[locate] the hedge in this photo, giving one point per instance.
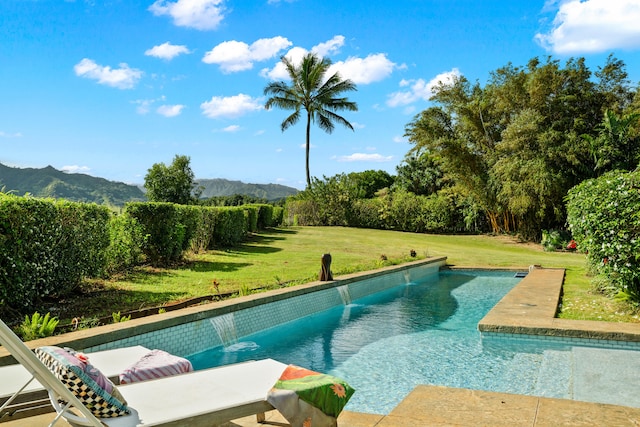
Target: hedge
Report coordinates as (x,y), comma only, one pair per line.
(48,247)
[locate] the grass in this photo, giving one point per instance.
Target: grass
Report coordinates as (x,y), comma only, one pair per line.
(288,256)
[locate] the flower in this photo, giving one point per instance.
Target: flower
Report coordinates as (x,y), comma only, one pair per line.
(339,390)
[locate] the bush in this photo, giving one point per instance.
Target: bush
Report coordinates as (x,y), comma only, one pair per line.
(126,239)
(251,213)
(47,248)
(604,219)
(164,230)
(277,217)
(230,226)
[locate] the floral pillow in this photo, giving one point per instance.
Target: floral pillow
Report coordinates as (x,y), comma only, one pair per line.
(86,382)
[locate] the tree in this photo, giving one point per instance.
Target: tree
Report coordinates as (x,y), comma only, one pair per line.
(174,183)
(616,147)
(419,174)
(312,92)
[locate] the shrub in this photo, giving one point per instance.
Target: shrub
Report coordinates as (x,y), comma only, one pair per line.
(277,216)
(164,230)
(230,226)
(48,247)
(126,239)
(604,219)
(37,326)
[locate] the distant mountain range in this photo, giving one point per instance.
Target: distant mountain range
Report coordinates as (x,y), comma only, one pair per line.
(50,182)
(224,187)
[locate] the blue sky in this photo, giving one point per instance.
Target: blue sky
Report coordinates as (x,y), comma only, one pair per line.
(110,87)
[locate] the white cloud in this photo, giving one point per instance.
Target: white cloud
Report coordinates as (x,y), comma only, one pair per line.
(167,51)
(144,105)
(121,78)
(231,129)
(75,169)
(420,89)
(363,157)
(230,107)
(10,135)
(329,47)
(235,56)
(279,72)
(170,110)
(357,125)
(593,26)
(373,68)
(198,14)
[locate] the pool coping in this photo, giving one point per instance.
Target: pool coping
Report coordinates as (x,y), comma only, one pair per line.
(93,337)
(531,307)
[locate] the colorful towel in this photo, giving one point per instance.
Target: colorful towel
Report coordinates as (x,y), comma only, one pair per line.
(309,399)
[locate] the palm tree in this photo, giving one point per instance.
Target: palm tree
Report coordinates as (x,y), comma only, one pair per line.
(310,91)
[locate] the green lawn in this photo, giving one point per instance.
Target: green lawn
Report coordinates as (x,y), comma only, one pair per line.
(292,255)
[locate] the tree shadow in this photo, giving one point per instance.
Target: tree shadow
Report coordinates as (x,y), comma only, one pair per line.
(210,266)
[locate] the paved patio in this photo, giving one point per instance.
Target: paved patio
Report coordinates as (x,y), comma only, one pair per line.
(529,308)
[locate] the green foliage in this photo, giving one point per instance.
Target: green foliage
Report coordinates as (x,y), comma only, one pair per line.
(251,213)
(118,318)
(164,230)
(370,182)
(518,144)
(37,326)
(126,240)
(173,183)
(47,248)
(554,240)
(230,227)
(604,219)
(420,175)
(310,90)
(277,217)
(615,147)
(202,223)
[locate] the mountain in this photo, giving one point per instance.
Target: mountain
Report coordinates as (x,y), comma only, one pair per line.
(50,182)
(224,187)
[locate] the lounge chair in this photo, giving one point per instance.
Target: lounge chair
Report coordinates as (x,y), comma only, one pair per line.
(110,362)
(200,398)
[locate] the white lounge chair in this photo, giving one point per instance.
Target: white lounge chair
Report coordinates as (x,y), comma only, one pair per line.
(200,398)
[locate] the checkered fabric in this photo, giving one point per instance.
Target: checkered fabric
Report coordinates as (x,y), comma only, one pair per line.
(101,403)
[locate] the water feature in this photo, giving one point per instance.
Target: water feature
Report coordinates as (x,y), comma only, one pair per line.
(344,294)
(386,343)
(226,328)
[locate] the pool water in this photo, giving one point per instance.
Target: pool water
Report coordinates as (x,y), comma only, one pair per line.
(417,333)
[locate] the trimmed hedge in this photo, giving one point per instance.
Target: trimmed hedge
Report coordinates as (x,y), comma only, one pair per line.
(48,247)
(165,230)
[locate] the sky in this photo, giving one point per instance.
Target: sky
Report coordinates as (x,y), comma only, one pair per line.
(110,87)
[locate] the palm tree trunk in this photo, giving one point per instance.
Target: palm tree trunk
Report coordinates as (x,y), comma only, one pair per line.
(308,146)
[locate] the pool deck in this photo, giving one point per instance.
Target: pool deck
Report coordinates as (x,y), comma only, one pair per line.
(530,308)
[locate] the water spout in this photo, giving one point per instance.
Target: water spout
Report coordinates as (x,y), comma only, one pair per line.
(344,294)
(225,326)
(407,277)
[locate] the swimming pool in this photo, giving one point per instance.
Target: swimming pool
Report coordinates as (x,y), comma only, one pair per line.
(421,332)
